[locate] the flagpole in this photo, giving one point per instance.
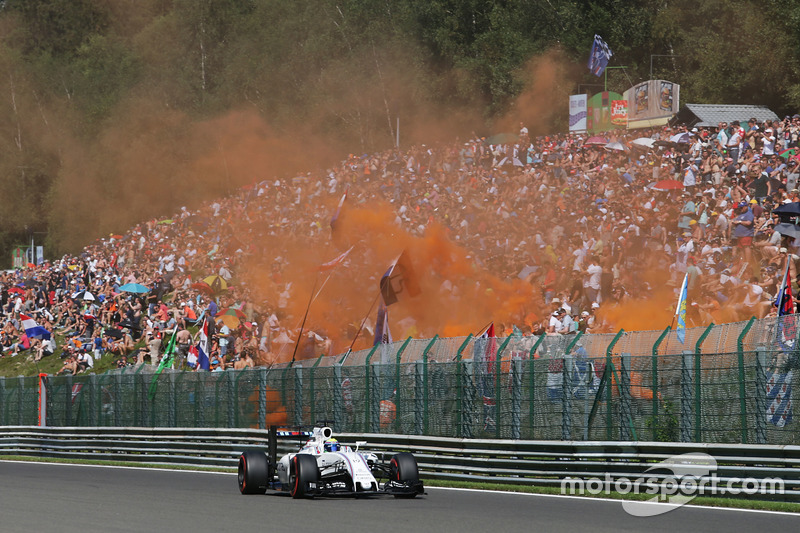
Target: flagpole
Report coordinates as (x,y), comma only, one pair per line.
(302,325)
(350,349)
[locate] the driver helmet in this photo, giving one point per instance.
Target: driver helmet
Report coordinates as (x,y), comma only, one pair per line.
(331,445)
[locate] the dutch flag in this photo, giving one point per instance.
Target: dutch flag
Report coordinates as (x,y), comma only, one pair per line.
(34,330)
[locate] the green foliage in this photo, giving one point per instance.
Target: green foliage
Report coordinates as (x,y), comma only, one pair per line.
(666,424)
(342,69)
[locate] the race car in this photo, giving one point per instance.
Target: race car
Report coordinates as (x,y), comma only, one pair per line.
(323,467)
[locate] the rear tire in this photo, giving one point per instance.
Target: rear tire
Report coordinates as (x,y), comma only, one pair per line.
(304,470)
(403,469)
(254,472)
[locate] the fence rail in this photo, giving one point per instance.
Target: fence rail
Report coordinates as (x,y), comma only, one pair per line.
(541,463)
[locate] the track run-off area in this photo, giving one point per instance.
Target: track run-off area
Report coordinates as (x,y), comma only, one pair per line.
(68,498)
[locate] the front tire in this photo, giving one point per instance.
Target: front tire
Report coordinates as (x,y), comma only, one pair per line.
(254,472)
(304,470)
(403,469)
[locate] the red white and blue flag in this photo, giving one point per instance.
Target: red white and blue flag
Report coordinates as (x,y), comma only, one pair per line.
(202,347)
(32,329)
(784,301)
(598,58)
(779,398)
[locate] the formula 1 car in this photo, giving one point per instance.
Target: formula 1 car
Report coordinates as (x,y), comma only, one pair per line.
(323,467)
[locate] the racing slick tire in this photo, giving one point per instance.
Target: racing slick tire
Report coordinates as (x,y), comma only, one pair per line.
(403,469)
(304,470)
(254,472)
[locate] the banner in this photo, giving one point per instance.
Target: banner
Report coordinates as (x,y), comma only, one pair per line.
(578,110)
(619,113)
(652,103)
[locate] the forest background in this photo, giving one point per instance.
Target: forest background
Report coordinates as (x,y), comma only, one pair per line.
(116,111)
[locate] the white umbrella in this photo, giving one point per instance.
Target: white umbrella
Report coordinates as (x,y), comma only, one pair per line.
(84,295)
(681,138)
(615,146)
(644,141)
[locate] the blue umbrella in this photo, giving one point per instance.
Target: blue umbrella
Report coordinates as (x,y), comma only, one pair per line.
(134,287)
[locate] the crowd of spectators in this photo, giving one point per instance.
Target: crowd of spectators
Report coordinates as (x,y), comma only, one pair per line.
(585,221)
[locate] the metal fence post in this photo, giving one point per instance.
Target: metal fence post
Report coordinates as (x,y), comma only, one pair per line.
(498,388)
(311,390)
(655,380)
(21,401)
(68,402)
(625,397)
(609,387)
(118,400)
(742,388)
(698,382)
(532,386)
(367,389)
(516,399)
(425,387)
(298,394)
(566,398)
(460,386)
(338,400)
(172,398)
(468,418)
(686,396)
(419,405)
(262,398)
(94,403)
(399,392)
(3,403)
(760,395)
(232,403)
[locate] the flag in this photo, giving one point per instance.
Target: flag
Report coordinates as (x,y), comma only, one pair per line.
(399,279)
(32,329)
(382,333)
(165,362)
(202,347)
(336,261)
(490,347)
(598,58)
(784,301)
(335,217)
(779,398)
(680,311)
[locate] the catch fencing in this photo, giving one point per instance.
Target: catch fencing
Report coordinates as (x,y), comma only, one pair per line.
(724,384)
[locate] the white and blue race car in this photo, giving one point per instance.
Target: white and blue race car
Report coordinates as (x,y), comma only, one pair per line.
(323,467)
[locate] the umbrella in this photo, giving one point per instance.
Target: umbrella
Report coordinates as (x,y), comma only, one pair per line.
(216,283)
(644,141)
(502,138)
(681,138)
(166,221)
(114,332)
(229,320)
(596,141)
(787,153)
(232,311)
(135,288)
(619,147)
(666,185)
(16,290)
(202,286)
(83,295)
(788,230)
(792,208)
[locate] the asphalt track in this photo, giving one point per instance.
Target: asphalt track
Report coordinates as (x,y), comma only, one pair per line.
(37,497)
